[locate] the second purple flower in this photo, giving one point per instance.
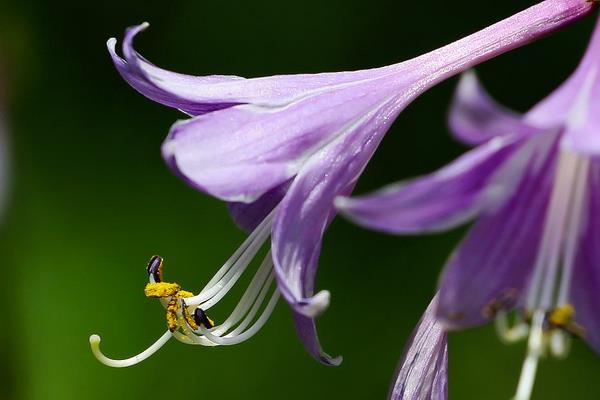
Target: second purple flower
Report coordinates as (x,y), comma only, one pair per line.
(533,181)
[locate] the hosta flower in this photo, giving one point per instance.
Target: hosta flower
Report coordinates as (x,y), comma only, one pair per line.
(533,182)
(279,150)
(422,373)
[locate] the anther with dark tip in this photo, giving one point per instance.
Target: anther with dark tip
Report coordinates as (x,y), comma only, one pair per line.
(155,268)
(201,318)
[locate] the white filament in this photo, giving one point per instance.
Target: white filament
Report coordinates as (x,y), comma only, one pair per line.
(244,312)
(535,350)
(95,345)
(252,297)
(554,266)
(235,329)
(241,337)
(560,343)
(233,268)
(574,230)
(509,334)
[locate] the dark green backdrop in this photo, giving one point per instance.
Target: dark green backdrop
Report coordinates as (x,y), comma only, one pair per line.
(91,200)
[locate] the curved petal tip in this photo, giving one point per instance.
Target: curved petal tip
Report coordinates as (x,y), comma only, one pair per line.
(314,306)
(307,332)
(331,361)
(111,43)
(135,29)
(129,34)
(342,202)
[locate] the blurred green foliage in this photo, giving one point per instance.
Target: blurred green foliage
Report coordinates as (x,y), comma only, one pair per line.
(91,201)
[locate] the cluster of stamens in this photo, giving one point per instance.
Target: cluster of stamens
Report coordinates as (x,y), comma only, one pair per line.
(186,318)
(548,317)
(557,323)
(175,298)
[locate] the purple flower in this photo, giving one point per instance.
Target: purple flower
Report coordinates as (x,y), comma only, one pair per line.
(280,149)
(533,181)
(422,373)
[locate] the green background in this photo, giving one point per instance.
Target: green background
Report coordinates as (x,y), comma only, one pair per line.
(91,200)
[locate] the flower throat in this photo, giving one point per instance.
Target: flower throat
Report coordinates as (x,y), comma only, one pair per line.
(548,313)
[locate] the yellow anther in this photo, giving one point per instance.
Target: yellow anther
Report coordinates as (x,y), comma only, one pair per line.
(172,308)
(562,315)
(182,294)
(189,319)
(161,289)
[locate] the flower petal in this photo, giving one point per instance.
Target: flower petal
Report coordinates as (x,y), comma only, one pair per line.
(188,93)
(307,209)
(197,95)
(475,117)
(307,331)
(575,104)
(583,123)
(247,216)
(422,373)
(492,265)
(440,201)
(586,276)
(239,153)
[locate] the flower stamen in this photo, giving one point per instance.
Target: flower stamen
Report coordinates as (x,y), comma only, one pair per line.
(200,318)
(161,290)
(553,321)
(535,350)
(171,293)
(560,343)
(562,316)
(186,314)
(154,269)
(511,334)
